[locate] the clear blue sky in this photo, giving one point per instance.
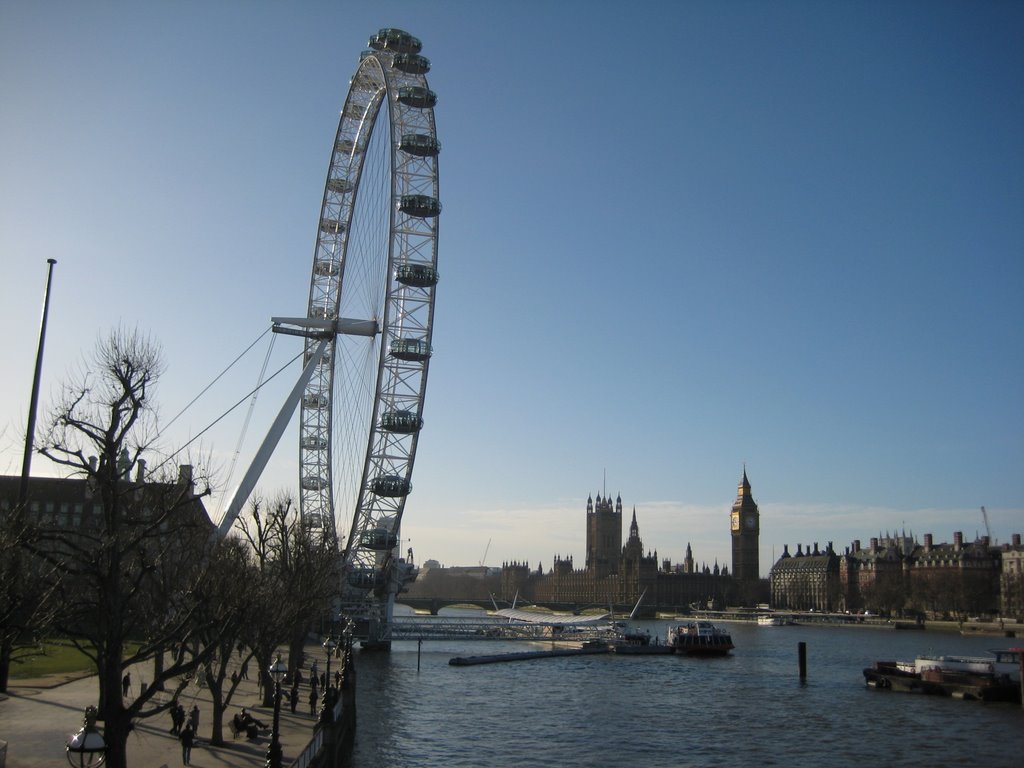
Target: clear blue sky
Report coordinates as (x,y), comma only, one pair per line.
(677,237)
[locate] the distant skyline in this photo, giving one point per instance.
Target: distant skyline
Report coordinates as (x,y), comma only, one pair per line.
(677,238)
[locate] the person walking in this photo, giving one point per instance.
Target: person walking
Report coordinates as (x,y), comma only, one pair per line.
(187,737)
(312,701)
(194,719)
(126,683)
(175,722)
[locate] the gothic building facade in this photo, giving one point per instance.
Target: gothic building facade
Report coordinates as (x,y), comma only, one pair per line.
(745,524)
(620,573)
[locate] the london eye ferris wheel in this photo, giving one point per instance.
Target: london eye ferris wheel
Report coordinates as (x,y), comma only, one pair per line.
(370,312)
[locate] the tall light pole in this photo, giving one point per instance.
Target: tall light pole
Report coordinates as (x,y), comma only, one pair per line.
(277,671)
(327,713)
(26,464)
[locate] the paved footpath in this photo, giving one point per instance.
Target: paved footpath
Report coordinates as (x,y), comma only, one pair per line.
(37,716)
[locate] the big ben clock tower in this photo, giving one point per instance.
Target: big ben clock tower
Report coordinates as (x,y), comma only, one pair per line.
(746,528)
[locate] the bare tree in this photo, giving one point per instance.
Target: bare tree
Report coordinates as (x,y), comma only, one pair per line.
(297,572)
(25,589)
(136,568)
(231,603)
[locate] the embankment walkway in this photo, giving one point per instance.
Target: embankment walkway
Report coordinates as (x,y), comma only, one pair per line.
(37,716)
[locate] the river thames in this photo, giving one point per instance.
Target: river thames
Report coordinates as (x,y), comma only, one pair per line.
(749,708)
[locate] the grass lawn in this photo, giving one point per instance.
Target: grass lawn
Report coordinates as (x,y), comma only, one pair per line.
(56,657)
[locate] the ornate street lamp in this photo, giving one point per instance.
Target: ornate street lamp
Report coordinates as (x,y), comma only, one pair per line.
(277,672)
(87,749)
(327,712)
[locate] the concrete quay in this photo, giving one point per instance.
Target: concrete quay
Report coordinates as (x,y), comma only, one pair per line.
(37,716)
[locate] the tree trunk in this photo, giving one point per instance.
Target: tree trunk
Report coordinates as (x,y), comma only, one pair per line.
(116,723)
(158,669)
(6,648)
(215,685)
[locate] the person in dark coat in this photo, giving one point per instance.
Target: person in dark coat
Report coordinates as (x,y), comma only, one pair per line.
(187,737)
(175,721)
(126,683)
(312,701)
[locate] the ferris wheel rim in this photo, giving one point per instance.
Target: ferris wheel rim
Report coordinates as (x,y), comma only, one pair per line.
(390,77)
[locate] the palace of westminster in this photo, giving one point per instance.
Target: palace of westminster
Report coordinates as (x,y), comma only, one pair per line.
(893,575)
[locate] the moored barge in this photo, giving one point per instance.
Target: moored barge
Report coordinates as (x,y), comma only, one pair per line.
(995,678)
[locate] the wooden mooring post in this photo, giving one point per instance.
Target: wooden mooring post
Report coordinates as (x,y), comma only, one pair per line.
(801,652)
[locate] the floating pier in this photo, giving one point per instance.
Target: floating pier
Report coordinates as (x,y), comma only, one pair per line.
(495,658)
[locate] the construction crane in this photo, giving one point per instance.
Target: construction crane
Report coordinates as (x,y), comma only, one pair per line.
(988,533)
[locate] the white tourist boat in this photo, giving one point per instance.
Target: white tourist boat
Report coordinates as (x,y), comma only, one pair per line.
(769,620)
(1001,662)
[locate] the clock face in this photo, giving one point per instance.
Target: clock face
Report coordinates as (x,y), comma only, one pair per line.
(751,522)
(735,521)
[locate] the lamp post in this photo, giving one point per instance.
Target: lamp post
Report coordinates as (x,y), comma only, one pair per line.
(87,749)
(277,672)
(327,713)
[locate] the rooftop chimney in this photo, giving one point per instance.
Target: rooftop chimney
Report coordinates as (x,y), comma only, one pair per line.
(1016,539)
(185,475)
(958,540)
(927,542)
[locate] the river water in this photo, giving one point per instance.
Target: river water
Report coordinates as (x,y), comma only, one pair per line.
(749,708)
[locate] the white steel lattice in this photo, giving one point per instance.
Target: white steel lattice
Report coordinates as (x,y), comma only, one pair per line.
(375,261)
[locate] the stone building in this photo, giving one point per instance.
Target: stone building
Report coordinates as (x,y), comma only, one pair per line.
(745,524)
(632,572)
(806,581)
(1011,580)
(604,536)
(71,504)
(896,574)
(617,573)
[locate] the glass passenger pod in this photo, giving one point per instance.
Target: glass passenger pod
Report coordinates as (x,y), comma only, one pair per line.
(412,350)
(401,422)
(419,144)
(340,185)
(316,400)
(346,146)
(411,63)
(417,96)
(312,483)
(331,226)
(379,540)
(325,358)
(391,486)
(314,443)
(326,267)
(420,206)
(416,275)
(321,312)
(398,40)
(366,578)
